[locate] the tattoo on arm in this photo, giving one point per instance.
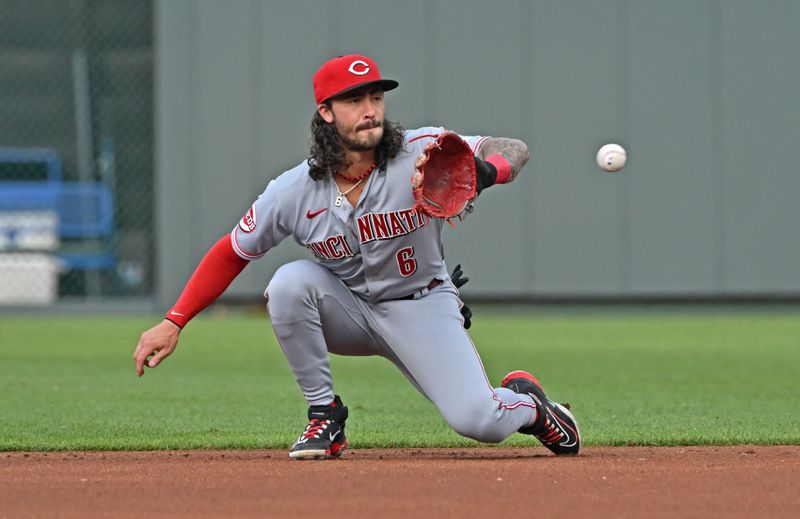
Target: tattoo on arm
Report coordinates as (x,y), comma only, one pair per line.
(514,150)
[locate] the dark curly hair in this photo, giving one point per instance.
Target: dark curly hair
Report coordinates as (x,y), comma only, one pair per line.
(327,151)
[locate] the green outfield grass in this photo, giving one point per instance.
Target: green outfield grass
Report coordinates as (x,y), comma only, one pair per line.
(633,378)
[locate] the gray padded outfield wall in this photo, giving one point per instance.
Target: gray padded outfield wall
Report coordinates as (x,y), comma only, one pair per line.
(703,94)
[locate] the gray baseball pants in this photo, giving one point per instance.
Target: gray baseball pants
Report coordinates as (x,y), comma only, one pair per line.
(314,314)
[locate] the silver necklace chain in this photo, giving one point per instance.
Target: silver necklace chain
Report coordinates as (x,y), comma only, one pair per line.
(341,195)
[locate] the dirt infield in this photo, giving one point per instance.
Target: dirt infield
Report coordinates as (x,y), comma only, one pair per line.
(741,481)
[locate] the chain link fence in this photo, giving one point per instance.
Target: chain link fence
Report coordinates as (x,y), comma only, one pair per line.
(76,150)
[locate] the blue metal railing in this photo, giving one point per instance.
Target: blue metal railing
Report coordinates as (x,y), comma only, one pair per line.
(84,209)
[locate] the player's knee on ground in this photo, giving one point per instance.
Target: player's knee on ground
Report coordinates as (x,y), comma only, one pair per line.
(477,420)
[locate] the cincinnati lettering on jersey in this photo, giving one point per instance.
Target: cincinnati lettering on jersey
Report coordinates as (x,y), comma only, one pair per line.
(332,247)
(385,226)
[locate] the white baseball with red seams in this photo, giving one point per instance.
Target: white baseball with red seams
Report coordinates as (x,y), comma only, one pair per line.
(346,301)
(611,157)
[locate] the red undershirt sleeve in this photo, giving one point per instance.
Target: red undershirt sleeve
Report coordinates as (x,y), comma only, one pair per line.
(503,167)
(213,275)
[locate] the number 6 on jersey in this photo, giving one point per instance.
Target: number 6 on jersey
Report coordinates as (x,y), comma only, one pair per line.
(406,262)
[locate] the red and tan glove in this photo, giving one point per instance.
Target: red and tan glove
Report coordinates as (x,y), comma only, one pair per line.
(446,183)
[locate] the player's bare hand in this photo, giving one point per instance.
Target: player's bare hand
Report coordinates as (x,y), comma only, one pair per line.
(416,177)
(156,344)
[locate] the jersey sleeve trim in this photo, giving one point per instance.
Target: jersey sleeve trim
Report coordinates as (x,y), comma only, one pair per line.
(241,252)
(418,137)
(475,147)
(478,145)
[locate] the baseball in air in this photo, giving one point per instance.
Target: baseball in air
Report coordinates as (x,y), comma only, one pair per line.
(611,157)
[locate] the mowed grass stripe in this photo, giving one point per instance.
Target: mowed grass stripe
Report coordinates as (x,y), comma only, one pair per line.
(632,379)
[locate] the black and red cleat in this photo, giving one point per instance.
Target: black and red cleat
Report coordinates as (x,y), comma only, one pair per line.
(323,437)
(555,426)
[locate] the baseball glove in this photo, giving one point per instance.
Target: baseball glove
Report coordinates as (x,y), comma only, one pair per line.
(447,181)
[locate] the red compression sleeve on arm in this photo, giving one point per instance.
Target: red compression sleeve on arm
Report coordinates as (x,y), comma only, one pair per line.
(213,275)
(503,167)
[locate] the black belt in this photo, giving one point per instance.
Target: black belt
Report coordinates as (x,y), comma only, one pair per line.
(433,284)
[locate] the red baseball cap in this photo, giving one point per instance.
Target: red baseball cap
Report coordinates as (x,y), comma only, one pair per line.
(347,73)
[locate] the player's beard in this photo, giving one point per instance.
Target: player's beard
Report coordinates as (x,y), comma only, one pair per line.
(366,143)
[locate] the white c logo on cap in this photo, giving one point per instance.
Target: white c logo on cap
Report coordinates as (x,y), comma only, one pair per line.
(361,71)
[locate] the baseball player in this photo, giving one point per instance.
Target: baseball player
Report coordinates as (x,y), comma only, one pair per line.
(378,284)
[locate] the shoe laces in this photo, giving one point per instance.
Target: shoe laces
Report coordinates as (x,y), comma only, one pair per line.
(551,433)
(315,427)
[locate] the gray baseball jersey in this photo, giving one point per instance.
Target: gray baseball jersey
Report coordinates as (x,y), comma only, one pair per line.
(347,302)
(381,249)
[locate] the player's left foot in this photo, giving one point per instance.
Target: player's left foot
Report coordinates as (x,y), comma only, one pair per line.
(555,426)
(323,437)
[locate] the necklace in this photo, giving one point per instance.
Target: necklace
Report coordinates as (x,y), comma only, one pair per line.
(361,177)
(358,180)
(341,195)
